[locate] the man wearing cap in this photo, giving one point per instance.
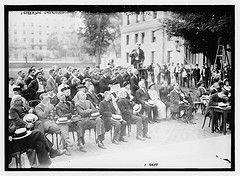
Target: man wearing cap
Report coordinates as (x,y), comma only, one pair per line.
(85,108)
(30,77)
(137,56)
(67,93)
(37,85)
(107,111)
(142,97)
(95,77)
(63,84)
(51,80)
(205,73)
(45,111)
(131,116)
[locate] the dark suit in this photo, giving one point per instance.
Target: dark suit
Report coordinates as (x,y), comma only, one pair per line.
(127,77)
(33,86)
(84,109)
(206,76)
(126,110)
(67,75)
(58,80)
(92,96)
(107,109)
(95,81)
(134,84)
(104,84)
(119,79)
(137,53)
(141,97)
(28,80)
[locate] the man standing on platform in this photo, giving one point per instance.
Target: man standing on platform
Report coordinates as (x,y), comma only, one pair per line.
(137,56)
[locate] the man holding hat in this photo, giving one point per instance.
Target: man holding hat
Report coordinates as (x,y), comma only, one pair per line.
(37,84)
(104,81)
(85,109)
(131,116)
(137,56)
(108,112)
(51,80)
(44,111)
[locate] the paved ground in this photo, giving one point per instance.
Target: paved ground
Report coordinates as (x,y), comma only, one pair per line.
(171,141)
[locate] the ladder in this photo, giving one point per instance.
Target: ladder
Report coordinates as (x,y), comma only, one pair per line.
(221,55)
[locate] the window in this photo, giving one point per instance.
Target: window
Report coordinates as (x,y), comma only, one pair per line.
(32,55)
(47,26)
(169,56)
(24,39)
(40,40)
(127,56)
(32,40)
(144,17)
(15,40)
(153,37)
(136,38)
(40,26)
(137,18)
(40,33)
(40,47)
(15,24)
(23,24)
(153,56)
(143,36)
(24,32)
(127,39)
(32,24)
(128,19)
(15,32)
(47,33)
(32,47)
(32,32)
(154,15)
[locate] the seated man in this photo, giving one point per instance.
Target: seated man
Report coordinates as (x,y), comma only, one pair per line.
(45,111)
(17,111)
(142,98)
(107,110)
(85,108)
(216,100)
(131,116)
(36,140)
(53,97)
(92,96)
(179,102)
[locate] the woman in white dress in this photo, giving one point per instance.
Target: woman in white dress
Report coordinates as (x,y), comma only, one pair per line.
(156,99)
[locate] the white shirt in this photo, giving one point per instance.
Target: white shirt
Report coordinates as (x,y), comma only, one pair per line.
(153,95)
(40,86)
(62,86)
(11,87)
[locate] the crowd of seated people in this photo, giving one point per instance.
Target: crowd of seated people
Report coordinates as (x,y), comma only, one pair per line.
(85,99)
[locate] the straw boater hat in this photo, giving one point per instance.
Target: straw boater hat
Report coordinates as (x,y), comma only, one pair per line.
(151,102)
(137,107)
(94,115)
(21,133)
(116,117)
(62,120)
(75,118)
(30,118)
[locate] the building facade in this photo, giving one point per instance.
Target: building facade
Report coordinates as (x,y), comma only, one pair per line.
(29,33)
(158,47)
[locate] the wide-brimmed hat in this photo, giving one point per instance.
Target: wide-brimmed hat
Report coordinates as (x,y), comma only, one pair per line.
(137,107)
(150,85)
(116,117)
(62,120)
(21,133)
(151,102)
(30,118)
(37,72)
(86,79)
(17,88)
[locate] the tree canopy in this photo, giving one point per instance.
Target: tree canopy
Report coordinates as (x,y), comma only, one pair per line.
(202,29)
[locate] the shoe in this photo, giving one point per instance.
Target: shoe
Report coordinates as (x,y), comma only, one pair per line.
(191,122)
(115,141)
(101,146)
(82,149)
(156,121)
(123,140)
(146,136)
(68,153)
(140,138)
(69,144)
(55,153)
(151,122)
